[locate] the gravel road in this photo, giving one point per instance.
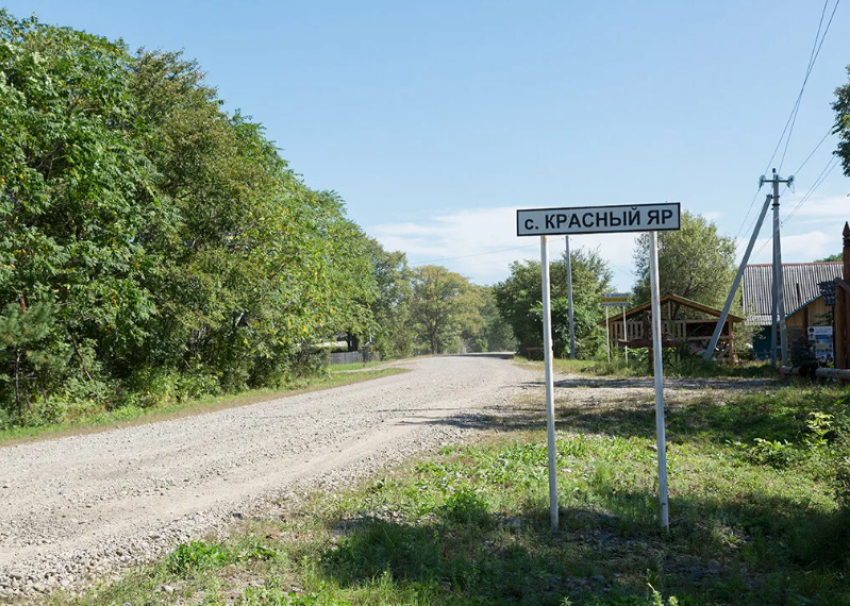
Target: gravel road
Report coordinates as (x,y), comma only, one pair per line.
(76,510)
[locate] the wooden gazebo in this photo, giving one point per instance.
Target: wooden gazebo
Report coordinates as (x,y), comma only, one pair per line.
(694,330)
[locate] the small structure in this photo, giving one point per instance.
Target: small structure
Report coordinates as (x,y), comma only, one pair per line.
(803,301)
(693,329)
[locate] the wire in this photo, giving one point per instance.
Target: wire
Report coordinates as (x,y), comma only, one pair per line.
(481,254)
(792,118)
(813,56)
(746,216)
(833,162)
(828,132)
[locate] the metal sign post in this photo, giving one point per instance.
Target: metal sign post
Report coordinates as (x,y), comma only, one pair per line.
(659,381)
(593,220)
(607,337)
(550,388)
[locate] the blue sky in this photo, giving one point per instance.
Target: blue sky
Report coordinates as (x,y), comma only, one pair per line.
(436,120)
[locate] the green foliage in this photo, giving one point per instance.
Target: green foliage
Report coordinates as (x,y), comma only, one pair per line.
(519,302)
(841,107)
(444,306)
(196,556)
(392,334)
(164,248)
(695,262)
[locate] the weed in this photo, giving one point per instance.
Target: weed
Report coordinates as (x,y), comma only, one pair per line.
(196,556)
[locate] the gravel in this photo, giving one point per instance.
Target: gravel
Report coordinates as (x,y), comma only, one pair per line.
(77,510)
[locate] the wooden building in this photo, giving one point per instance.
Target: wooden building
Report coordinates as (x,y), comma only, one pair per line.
(693,328)
(803,303)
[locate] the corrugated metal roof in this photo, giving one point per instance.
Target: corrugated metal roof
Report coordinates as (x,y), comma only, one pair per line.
(800,283)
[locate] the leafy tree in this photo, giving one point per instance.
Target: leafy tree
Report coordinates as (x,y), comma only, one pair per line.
(167,246)
(496,334)
(695,262)
(75,192)
(841,106)
(21,330)
(835,257)
(393,333)
(519,301)
(444,305)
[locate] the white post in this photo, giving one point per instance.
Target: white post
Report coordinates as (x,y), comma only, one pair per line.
(626,332)
(659,380)
(774,298)
(607,336)
(570,302)
(550,388)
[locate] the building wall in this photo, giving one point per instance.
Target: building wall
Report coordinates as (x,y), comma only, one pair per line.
(795,323)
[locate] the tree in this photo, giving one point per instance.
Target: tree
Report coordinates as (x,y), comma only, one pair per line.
(841,106)
(496,334)
(695,263)
(443,305)
(835,257)
(161,244)
(519,301)
(393,334)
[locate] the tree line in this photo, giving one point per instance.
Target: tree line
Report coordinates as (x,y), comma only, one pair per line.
(156,247)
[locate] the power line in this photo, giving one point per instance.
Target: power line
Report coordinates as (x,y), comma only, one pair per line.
(792,117)
(481,254)
(828,133)
(833,162)
(813,56)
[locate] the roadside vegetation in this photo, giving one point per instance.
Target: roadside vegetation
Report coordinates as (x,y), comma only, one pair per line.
(157,248)
(758,501)
(89,419)
(677,364)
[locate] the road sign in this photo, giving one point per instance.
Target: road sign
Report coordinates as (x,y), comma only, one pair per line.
(653,218)
(615,299)
(598,219)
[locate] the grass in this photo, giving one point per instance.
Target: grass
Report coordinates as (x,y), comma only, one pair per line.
(675,365)
(355,366)
(470,525)
(105,420)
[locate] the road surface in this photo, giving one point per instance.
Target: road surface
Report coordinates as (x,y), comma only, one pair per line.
(78,508)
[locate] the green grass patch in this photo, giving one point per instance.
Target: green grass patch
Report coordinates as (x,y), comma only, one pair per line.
(676,364)
(470,525)
(355,366)
(104,420)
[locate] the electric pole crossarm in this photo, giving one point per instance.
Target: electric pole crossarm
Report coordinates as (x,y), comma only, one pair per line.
(737,282)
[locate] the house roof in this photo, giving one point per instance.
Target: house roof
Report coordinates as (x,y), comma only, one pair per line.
(676,299)
(800,286)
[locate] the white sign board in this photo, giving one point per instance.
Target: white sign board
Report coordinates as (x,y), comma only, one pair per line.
(598,219)
(615,299)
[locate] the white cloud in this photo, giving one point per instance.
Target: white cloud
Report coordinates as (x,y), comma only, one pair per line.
(797,248)
(481,243)
(824,209)
(812,232)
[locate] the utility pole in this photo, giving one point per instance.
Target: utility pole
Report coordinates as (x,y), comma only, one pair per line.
(570,302)
(778,298)
(721,321)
